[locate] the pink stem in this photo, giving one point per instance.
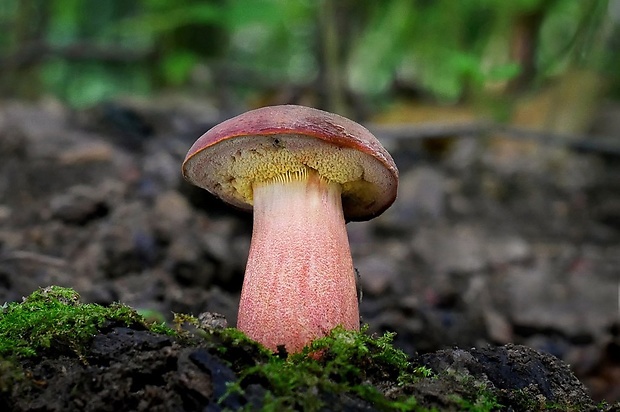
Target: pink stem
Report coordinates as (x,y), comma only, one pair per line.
(299,281)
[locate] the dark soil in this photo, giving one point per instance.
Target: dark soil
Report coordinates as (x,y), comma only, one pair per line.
(129,365)
(484,246)
(136,370)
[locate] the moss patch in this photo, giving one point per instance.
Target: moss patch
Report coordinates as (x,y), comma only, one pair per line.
(52,321)
(345,362)
(199,363)
(54,317)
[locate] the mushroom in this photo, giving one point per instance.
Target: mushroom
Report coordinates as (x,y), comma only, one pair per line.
(305,173)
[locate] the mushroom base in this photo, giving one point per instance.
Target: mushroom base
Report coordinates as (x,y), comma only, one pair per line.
(299,282)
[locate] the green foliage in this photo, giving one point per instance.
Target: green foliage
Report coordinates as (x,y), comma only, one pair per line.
(378,50)
(54,316)
(84,52)
(485,402)
(343,362)
(158,17)
(452,48)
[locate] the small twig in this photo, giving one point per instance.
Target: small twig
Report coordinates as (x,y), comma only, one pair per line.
(34,257)
(579,142)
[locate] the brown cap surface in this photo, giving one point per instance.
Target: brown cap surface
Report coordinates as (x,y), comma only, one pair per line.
(259,145)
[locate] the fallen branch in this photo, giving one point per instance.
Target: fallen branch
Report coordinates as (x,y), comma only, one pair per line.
(33,257)
(578,142)
(35,53)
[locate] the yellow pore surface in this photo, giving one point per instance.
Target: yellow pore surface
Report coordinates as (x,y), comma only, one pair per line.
(232,167)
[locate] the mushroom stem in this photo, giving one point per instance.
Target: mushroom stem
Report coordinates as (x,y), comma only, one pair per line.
(299,282)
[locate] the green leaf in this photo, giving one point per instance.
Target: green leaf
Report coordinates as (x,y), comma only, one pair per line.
(177,66)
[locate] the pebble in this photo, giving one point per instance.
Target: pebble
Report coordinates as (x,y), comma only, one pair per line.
(78,206)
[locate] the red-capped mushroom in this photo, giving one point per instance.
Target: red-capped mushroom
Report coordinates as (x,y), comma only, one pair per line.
(305,172)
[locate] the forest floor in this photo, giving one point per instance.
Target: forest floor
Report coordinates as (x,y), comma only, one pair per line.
(492,240)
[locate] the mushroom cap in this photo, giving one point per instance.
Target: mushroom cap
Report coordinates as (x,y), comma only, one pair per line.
(264,144)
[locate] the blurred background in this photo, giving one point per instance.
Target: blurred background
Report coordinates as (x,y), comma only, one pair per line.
(503,118)
(347,56)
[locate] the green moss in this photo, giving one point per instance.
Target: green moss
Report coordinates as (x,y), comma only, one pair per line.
(484,402)
(54,316)
(521,398)
(345,362)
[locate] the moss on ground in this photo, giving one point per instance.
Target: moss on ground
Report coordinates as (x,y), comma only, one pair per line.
(350,364)
(54,317)
(345,362)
